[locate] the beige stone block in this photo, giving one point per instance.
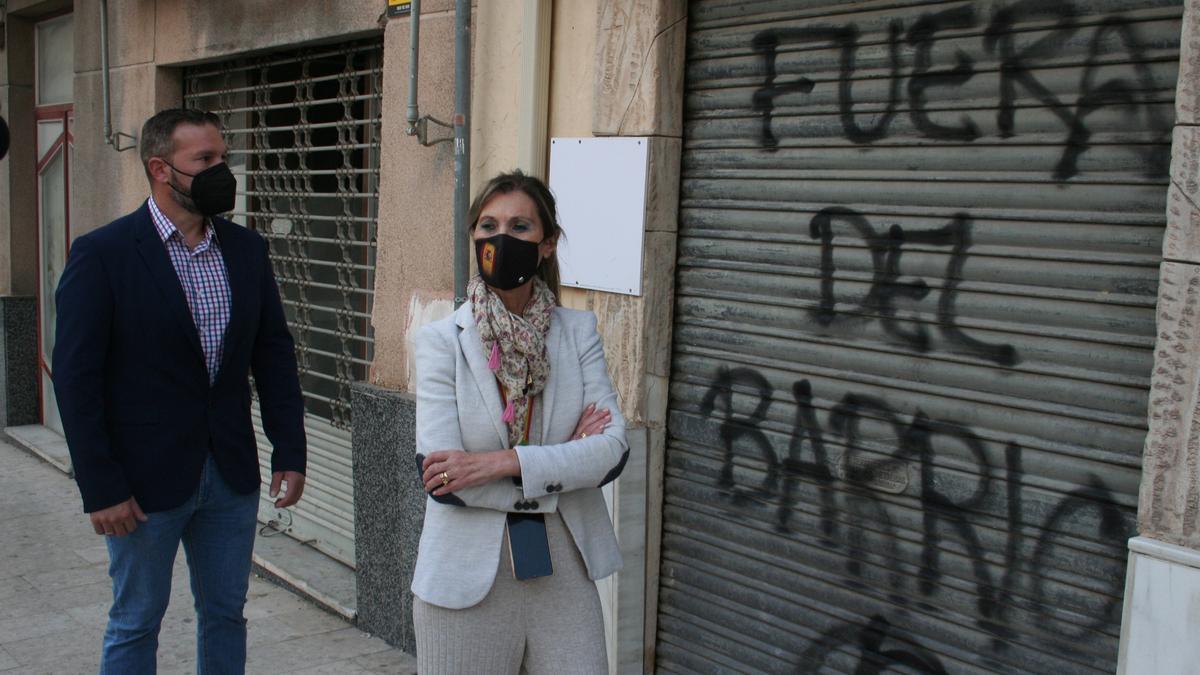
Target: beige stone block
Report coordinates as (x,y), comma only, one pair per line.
(415,256)
(629,519)
(16,60)
(1169,504)
(168,90)
(108,184)
(658,289)
(662,184)
(656,451)
(657,393)
(495,90)
(573,59)
(190,31)
(640,54)
(658,267)
(1181,240)
(1185,160)
(1187,94)
(425,306)
(130,33)
(619,320)
(574,298)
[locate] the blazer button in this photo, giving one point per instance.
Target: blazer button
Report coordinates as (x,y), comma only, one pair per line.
(558,487)
(550,487)
(519,506)
(533,504)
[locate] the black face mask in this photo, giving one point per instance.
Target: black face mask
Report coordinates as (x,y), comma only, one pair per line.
(506,262)
(213,190)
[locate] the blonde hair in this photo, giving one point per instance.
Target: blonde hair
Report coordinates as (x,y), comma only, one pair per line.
(543,201)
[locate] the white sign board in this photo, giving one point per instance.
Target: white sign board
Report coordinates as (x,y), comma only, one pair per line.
(600,187)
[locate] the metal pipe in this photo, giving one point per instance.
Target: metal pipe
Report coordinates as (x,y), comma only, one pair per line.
(110,137)
(414,51)
(462,144)
(104,70)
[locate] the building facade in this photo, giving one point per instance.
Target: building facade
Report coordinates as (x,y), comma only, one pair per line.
(910,379)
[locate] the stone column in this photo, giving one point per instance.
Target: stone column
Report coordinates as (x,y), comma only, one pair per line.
(18,361)
(389,507)
(638,91)
(1162,587)
(18,228)
(413,285)
(18,203)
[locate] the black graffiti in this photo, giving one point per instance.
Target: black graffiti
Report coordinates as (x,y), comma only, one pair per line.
(887,287)
(1017,77)
(875,657)
(746,426)
(921,36)
(945,515)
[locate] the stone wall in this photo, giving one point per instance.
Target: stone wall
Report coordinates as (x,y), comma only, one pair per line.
(1162,585)
(1169,504)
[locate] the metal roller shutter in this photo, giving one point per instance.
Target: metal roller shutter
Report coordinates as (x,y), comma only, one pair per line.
(918,262)
(303,129)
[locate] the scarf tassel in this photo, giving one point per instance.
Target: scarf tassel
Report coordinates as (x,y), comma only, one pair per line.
(494,359)
(509,414)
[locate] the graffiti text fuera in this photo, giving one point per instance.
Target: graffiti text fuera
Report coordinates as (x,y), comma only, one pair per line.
(919,81)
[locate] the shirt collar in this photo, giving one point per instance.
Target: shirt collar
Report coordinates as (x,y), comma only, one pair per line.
(166,229)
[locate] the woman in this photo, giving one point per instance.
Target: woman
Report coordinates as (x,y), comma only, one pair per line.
(512,459)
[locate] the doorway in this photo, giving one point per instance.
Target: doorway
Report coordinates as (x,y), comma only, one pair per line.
(54,84)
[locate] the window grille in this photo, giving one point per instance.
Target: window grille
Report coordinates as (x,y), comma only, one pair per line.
(303,130)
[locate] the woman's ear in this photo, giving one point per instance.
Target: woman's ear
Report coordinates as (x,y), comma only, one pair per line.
(548,246)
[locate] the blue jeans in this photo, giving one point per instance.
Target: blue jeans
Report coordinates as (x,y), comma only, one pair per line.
(216,526)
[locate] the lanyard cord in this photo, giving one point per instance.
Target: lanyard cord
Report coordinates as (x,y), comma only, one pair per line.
(528,412)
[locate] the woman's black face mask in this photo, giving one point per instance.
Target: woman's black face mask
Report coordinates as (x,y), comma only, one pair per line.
(213,190)
(506,262)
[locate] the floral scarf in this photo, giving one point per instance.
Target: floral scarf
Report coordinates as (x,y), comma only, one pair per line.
(517,347)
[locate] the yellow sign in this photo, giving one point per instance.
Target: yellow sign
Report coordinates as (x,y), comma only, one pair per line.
(398,7)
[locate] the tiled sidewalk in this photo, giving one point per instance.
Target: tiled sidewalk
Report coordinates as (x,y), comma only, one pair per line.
(54,596)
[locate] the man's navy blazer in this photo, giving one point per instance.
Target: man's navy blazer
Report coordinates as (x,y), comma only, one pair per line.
(133,391)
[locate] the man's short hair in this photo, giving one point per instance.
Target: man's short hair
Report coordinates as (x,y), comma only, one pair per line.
(158,131)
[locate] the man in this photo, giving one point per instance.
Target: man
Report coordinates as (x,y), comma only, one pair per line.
(162,315)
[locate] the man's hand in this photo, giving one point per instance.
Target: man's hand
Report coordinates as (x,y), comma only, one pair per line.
(118,520)
(295,488)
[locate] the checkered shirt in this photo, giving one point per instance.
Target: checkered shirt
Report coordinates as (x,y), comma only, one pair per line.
(202,274)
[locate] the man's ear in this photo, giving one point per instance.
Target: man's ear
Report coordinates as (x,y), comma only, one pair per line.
(159,170)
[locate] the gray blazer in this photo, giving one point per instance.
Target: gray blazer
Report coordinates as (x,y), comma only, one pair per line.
(458,406)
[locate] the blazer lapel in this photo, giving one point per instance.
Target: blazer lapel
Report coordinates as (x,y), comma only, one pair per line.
(236,270)
(554,338)
(158,262)
(472,348)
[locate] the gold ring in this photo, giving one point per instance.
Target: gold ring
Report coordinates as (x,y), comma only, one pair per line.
(583,434)
(445,478)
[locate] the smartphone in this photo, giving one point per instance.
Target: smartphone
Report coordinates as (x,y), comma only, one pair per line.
(528,546)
